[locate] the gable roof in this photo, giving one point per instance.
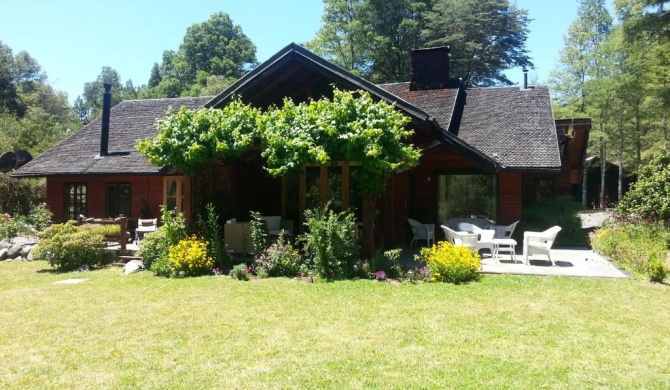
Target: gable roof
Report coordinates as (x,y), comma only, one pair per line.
(496,128)
(130,121)
(515,126)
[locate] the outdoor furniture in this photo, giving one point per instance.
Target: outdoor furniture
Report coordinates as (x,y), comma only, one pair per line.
(422,231)
(539,243)
(505,231)
(145,226)
(484,238)
(275,224)
(453,223)
(468,240)
(504,245)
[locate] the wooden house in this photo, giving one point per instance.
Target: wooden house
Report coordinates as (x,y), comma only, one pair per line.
(505,136)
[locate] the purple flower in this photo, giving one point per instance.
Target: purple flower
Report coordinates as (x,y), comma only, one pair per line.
(424,271)
(380,275)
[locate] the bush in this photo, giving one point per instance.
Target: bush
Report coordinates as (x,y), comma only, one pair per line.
(214,236)
(190,256)
(332,242)
(103,229)
(12,227)
(19,196)
(451,264)
(258,236)
(387,262)
(153,247)
(650,195)
(280,259)
(562,211)
(39,217)
(67,247)
(638,247)
(239,272)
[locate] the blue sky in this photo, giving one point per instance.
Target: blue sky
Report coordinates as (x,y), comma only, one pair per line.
(74,39)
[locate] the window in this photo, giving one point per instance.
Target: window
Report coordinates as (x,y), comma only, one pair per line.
(75,200)
(173,193)
(465,196)
(118,199)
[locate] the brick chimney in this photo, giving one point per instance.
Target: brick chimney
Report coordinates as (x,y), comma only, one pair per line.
(104,131)
(429,68)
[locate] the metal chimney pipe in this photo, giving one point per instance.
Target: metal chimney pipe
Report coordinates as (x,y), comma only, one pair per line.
(525,78)
(104,131)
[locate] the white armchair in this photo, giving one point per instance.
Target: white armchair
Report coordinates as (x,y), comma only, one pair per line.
(503,231)
(484,238)
(422,231)
(539,243)
(468,240)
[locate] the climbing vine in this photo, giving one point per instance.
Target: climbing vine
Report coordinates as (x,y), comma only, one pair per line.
(349,127)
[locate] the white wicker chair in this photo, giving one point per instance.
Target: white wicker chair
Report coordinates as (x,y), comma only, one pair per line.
(484,238)
(539,243)
(422,231)
(505,231)
(468,240)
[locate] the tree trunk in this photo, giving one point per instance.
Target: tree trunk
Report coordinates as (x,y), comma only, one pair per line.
(603,168)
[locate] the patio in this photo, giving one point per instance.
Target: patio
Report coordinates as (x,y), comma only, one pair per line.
(575,262)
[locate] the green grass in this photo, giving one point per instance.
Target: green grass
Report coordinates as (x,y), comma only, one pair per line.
(504,332)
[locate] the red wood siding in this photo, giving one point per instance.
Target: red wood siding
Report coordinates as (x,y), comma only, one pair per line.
(510,205)
(143,188)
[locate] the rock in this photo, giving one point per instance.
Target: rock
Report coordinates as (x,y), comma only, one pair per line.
(5,244)
(30,256)
(14,251)
(3,253)
(133,266)
(21,240)
(26,250)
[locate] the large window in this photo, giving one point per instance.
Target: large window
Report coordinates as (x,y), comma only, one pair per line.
(173,196)
(466,196)
(75,200)
(118,199)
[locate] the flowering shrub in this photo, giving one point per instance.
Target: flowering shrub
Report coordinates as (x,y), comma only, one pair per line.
(379,275)
(280,259)
(190,256)
(638,247)
(67,247)
(451,264)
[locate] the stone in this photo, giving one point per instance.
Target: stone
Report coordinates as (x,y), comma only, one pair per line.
(24,240)
(133,266)
(14,251)
(26,250)
(5,244)
(3,253)
(30,256)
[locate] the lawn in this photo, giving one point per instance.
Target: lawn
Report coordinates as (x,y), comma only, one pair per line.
(140,331)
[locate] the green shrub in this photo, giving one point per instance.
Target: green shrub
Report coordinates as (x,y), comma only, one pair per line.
(103,229)
(258,236)
(39,217)
(174,225)
(638,247)
(12,227)
(387,262)
(451,264)
(161,267)
(67,247)
(239,272)
(332,242)
(280,259)
(189,257)
(657,270)
(562,211)
(19,196)
(650,195)
(153,247)
(214,236)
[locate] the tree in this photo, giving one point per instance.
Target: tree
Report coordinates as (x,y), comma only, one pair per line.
(580,82)
(487,36)
(343,37)
(216,47)
(653,20)
(89,104)
(10,102)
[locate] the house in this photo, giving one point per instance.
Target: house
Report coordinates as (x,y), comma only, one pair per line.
(485,151)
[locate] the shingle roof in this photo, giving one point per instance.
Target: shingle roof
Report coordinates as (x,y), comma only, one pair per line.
(129,121)
(437,102)
(515,126)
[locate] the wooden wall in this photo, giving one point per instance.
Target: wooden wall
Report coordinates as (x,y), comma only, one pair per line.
(510,199)
(143,188)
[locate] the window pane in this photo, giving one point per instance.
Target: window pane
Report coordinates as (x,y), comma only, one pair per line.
(463,196)
(335,188)
(171,188)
